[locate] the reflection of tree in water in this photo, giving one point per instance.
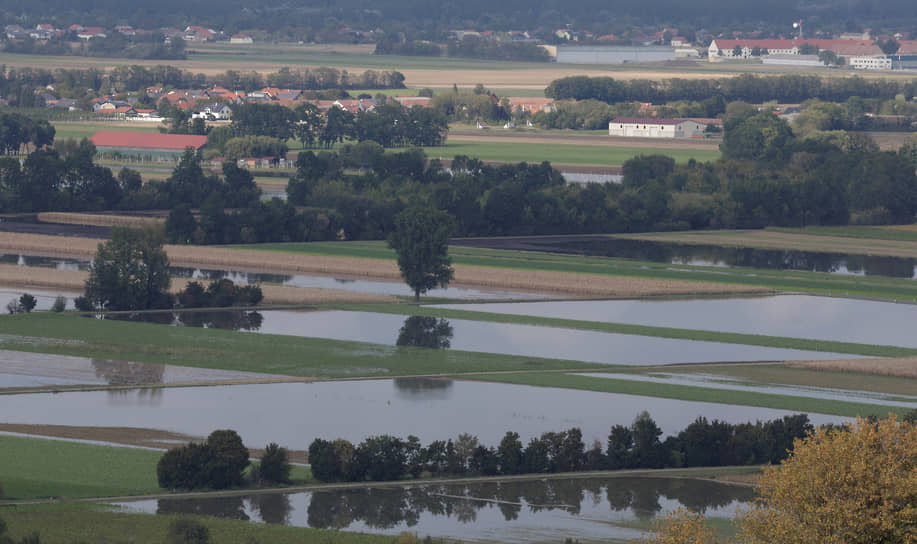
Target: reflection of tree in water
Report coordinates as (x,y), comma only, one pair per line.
(221,507)
(641,495)
(128,372)
(233,320)
(425,332)
(422,386)
(272,507)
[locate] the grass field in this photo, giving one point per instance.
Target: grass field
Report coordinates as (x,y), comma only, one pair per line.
(902,233)
(273,354)
(80,129)
(33,468)
(65,524)
(560,154)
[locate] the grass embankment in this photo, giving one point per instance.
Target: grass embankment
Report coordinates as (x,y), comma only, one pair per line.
(33,468)
(273,354)
(65,524)
(738,278)
(892,368)
(102,219)
(643,330)
(903,233)
(692,393)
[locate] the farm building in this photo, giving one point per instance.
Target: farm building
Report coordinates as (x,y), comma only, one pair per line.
(147,145)
(651,127)
(613,54)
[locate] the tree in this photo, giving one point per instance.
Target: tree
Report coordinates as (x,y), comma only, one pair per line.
(275,467)
(425,332)
(230,458)
(130,272)
(853,485)
(681,527)
(421,239)
(27,302)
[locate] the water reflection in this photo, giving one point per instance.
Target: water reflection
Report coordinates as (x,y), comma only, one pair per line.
(584,507)
(423,388)
(710,255)
(425,332)
(233,320)
(128,372)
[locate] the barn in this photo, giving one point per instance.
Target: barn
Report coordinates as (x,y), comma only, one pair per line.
(651,127)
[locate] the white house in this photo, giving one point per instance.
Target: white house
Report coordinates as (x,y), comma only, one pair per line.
(870,63)
(649,127)
(214,112)
(240,38)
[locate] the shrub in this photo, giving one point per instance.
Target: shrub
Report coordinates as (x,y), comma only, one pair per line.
(27,302)
(60,304)
(275,467)
(187,531)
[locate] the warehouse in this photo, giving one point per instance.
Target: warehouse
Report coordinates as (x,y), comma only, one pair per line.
(146,145)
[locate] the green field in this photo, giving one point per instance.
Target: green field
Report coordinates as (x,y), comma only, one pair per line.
(33,468)
(213,348)
(66,524)
(861,232)
(80,130)
(559,154)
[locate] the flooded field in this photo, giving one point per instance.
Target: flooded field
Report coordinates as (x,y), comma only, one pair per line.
(22,369)
(431,409)
(797,316)
(709,255)
(388,288)
(715,381)
(589,510)
(513,339)
(44,299)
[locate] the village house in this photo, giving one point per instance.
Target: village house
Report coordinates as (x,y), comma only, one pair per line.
(241,38)
(720,49)
(530,105)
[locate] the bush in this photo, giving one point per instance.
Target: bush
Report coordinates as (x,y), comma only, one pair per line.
(60,304)
(187,531)
(275,467)
(219,294)
(27,302)
(218,463)
(13,307)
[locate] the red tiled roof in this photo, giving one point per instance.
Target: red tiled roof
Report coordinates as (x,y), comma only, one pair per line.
(907,47)
(147,140)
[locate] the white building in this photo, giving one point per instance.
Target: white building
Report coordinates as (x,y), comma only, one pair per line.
(870,63)
(649,127)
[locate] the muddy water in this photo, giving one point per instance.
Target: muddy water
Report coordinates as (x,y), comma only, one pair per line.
(589,510)
(797,316)
(431,409)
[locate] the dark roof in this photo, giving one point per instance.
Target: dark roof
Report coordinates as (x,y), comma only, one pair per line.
(149,140)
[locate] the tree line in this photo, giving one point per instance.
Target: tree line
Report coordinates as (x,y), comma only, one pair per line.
(471,47)
(220,462)
(746,87)
(702,443)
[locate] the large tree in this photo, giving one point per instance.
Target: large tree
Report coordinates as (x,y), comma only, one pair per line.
(421,239)
(130,272)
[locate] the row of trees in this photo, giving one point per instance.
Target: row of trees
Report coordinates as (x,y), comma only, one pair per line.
(746,87)
(702,443)
(219,463)
(20,134)
(471,47)
(389,125)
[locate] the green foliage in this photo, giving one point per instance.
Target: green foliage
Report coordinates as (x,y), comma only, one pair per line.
(421,239)
(130,272)
(220,293)
(27,302)
(275,467)
(425,332)
(254,147)
(218,463)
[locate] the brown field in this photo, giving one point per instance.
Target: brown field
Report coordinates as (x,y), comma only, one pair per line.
(905,367)
(73,280)
(767,239)
(101,220)
(570,284)
(128,436)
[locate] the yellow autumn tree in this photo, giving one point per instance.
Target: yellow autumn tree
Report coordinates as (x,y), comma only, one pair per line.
(681,527)
(841,486)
